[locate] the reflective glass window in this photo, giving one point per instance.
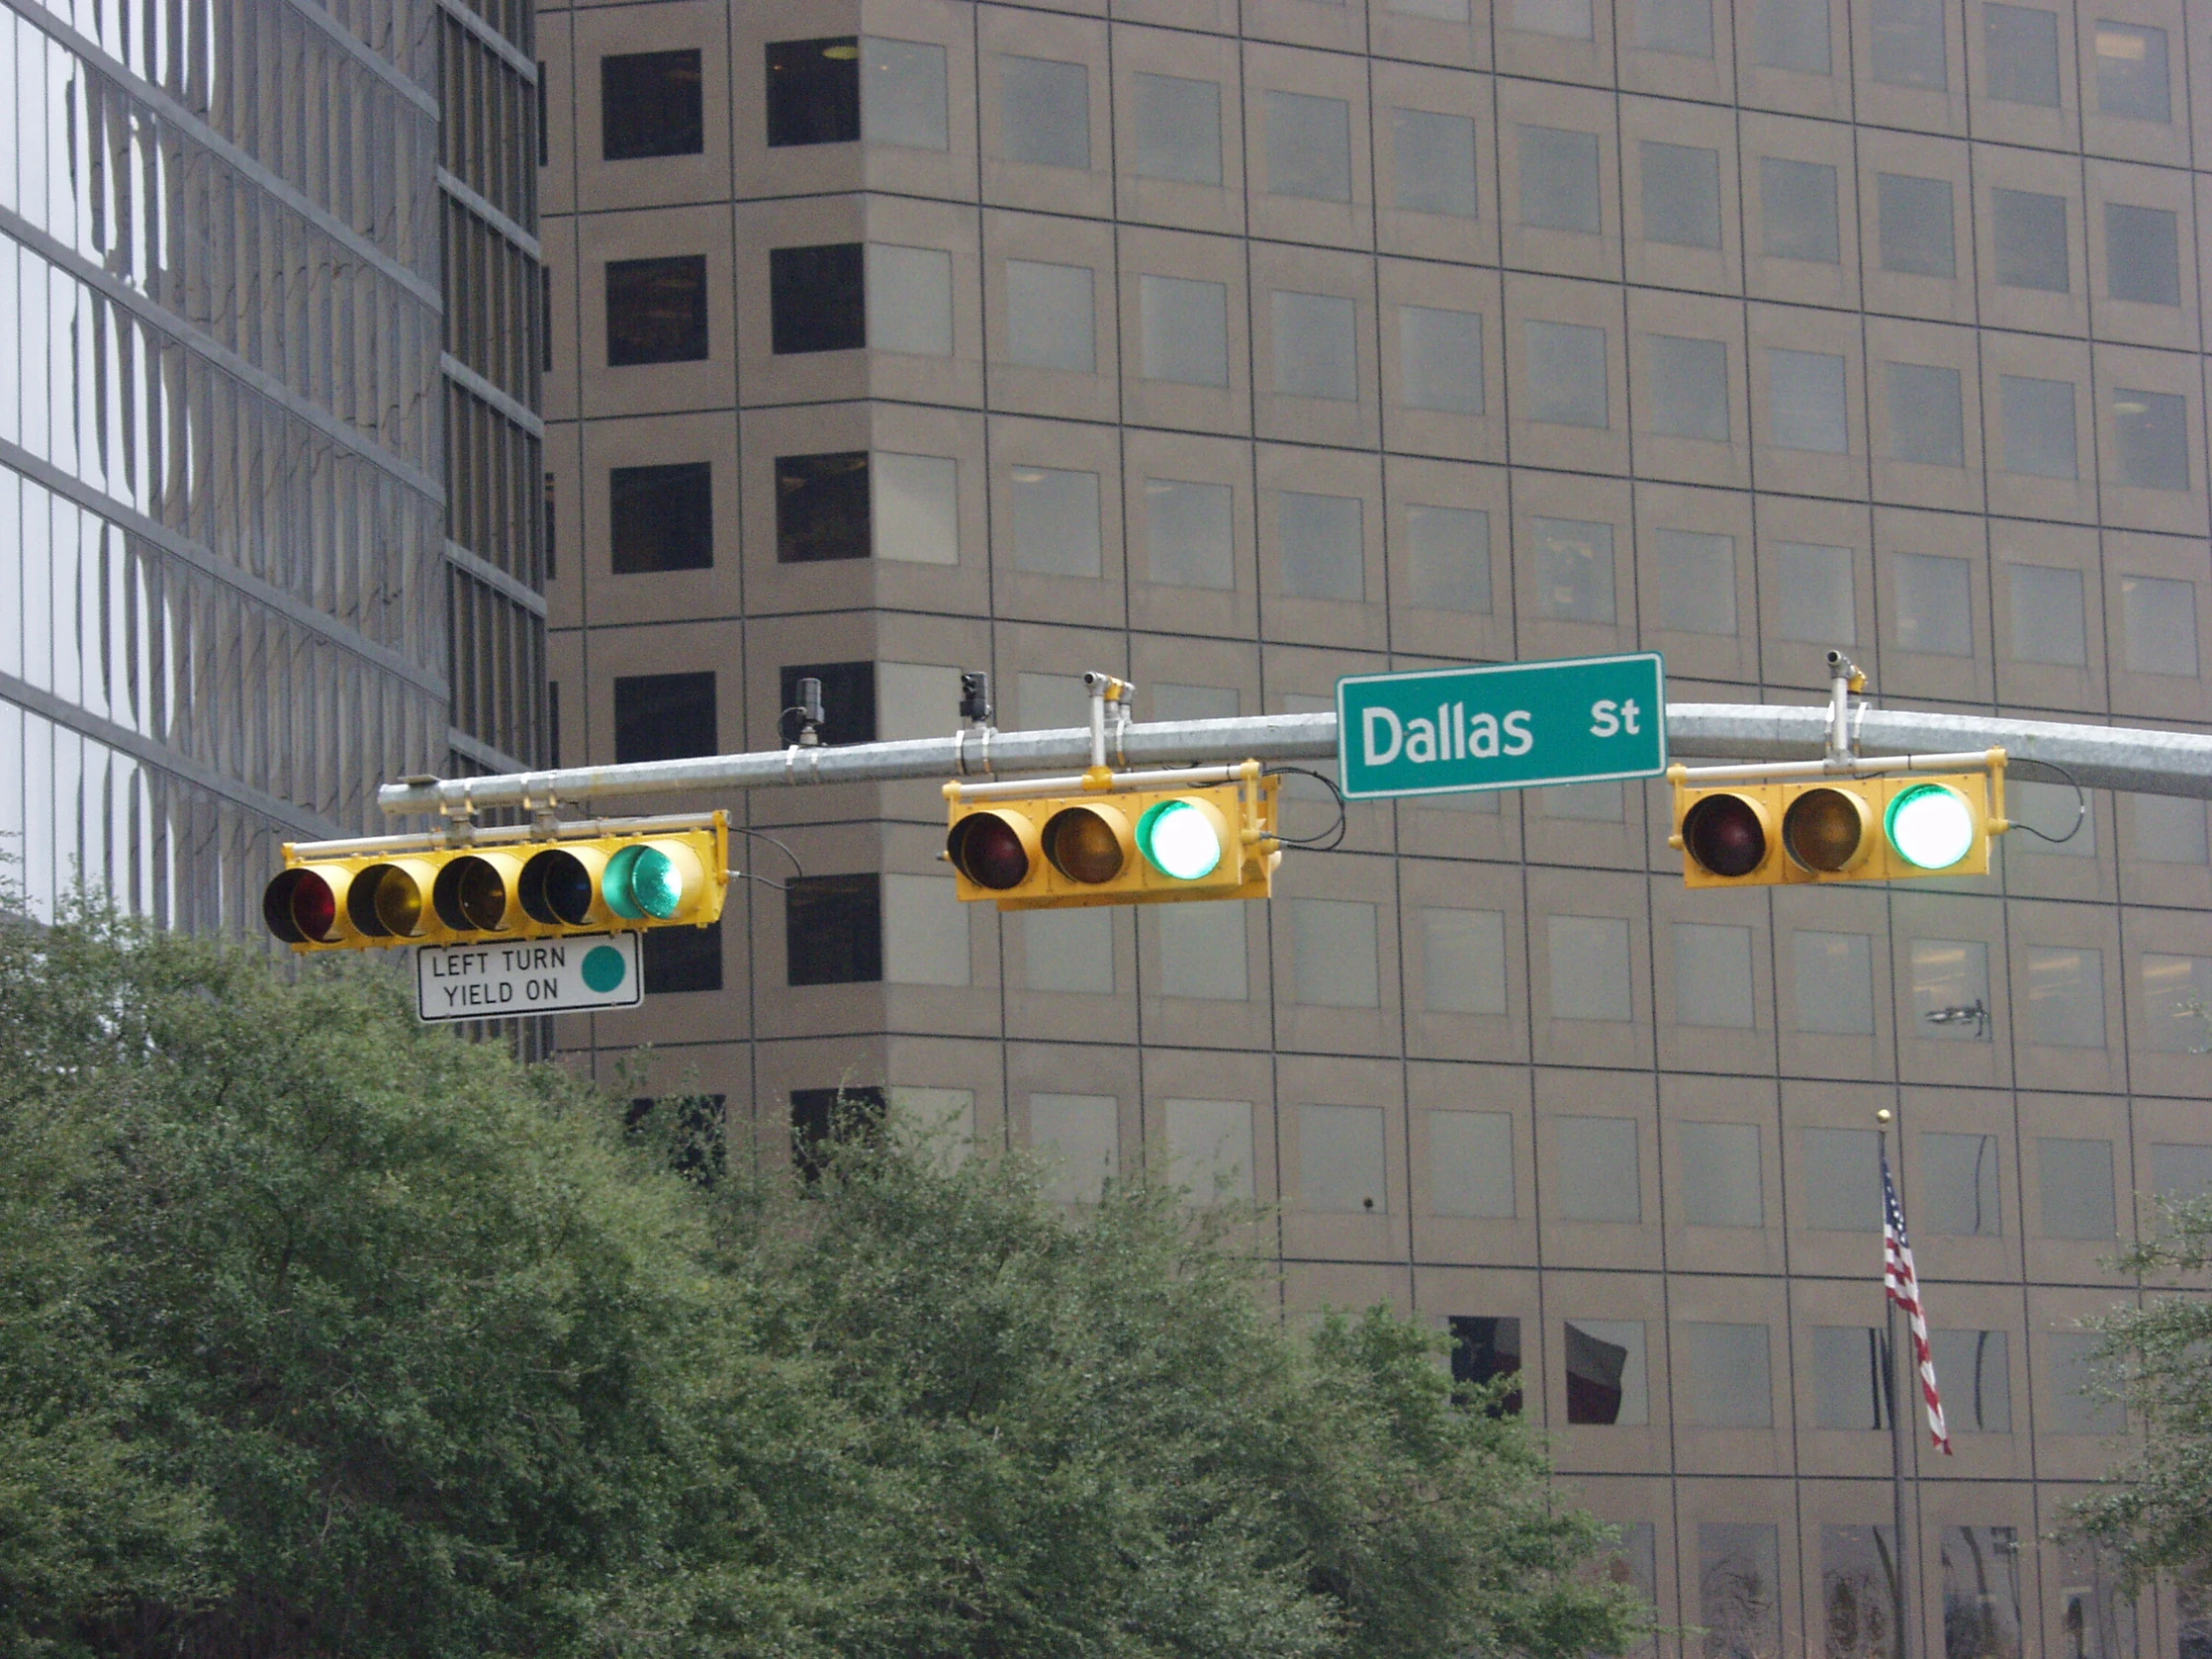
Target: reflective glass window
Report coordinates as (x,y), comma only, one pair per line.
(1914,224)
(1695,575)
(2078,1189)
(2176,992)
(1055,514)
(926,931)
(1835,983)
(1435,158)
(1445,11)
(1309,146)
(2049,624)
(1201,951)
(1720,1173)
(1571,19)
(1842,1170)
(2150,438)
(820,1117)
(1951,989)
(2039,420)
(1817,602)
(1727,1383)
(2132,78)
(1440,359)
(1797,202)
(1049,322)
(1471,1165)
(1178,128)
(1977,1380)
(1981,1592)
(833,929)
(650,105)
(1558,178)
(1316,350)
(1907,44)
(2168,828)
(1791,34)
(2158,626)
(2057,811)
(902,93)
(909,299)
(1859,1591)
(664,717)
(1483,1350)
(2142,254)
(1078,1138)
(1739,1583)
(2022,47)
(813,90)
(1805,401)
(1185,325)
(1332,953)
(661,517)
(1681,193)
(656,311)
(1573,566)
(2074,1407)
(676,960)
(1323,546)
(817,299)
(1598,1177)
(1606,1377)
(1712,975)
(1567,373)
(1589,968)
(1464,962)
(1210,1148)
(2028,236)
(1850,1363)
(1068,952)
(915,503)
(1342,1169)
(1926,414)
(1044,112)
(2180,1173)
(1958,1195)
(1173,701)
(1191,533)
(1683,28)
(1447,558)
(1688,391)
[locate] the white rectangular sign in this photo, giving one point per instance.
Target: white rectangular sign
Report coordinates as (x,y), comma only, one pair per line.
(528,976)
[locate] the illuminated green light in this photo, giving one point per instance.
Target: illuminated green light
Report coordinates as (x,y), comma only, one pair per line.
(619,885)
(1177,840)
(1930,826)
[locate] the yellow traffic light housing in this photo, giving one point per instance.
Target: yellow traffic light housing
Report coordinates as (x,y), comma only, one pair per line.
(1136,838)
(599,878)
(1861,821)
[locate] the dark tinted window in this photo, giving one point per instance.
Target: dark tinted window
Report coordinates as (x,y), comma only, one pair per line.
(664,717)
(693,1125)
(1483,1350)
(848,697)
(656,311)
(649,105)
(820,1116)
(663,517)
(552,542)
(816,299)
(683,958)
(833,929)
(821,507)
(813,90)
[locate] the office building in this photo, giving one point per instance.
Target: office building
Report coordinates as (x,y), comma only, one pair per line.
(1237,344)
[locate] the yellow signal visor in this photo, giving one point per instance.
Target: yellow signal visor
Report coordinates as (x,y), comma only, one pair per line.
(1726,837)
(993,850)
(1827,830)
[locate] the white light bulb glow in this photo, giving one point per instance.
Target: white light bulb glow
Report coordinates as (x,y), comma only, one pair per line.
(1931,826)
(1181,842)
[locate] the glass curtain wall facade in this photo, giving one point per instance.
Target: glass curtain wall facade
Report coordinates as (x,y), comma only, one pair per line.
(1233,348)
(230,603)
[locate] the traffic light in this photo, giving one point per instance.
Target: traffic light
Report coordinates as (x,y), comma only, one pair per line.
(502,885)
(1885,827)
(1115,845)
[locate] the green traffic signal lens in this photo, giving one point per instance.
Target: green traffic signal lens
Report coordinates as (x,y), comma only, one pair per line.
(1177,840)
(617,886)
(1930,826)
(656,885)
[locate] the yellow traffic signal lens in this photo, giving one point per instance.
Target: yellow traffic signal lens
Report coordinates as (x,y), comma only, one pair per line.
(301,907)
(1932,825)
(1181,839)
(1084,843)
(557,889)
(1723,833)
(988,850)
(1825,830)
(471,894)
(388,900)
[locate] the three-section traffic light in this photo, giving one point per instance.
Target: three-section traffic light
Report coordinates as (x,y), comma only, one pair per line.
(500,887)
(1835,829)
(1117,846)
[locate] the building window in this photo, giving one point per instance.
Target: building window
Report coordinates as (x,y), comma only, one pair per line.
(682,960)
(656,311)
(1185,327)
(2158,626)
(1805,401)
(1332,953)
(1323,546)
(2168,830)
(696,1144)
(909,299)
(1859,1590)
(1797,201)
(1316,350)
(1435,158)
(1849,1377)
(1721,1177)
(1049,321)
(665,717)
(1959,1195)
(1681,193)
(1977,1382)
(2048,622)
(2021,46)
(1605,1360)
(2142,255)
(902,93)
(813,90)
(2038,417)
(1574,562)
(1055,521)
(1342,1169)
(1982,1575)
(552,541)
(2132,80)
(821,507)
(1309,146)
(1464,962)
(2150,438)
(1568,19)
(1191,533)
(2028,234)
(848,699)
(1835,984)
(1567,374)
(1681,28)
(833,929)
(650,105)
(1598,1177)
(1558,178)
(1818,603)
(1739,1581)
(2176,992)
(1843,1180)
(1471,1165)
(1044,112)
(1484,1350)
(1447,558)
(1951,986)
(2180,1174)
(1203,952)
(2065,996)
(1440,359)
(915,501)
(926,931)
(553,722)
(821,1118)
(1909,44)
(1068,952)
(1712,975)
(1914,224)
(1078,1136)
(1687,387)
(1178,128)
(1727,1385)
(1210,1149)
(817,299)
(1791,34)
(1695,574)
(662,517)
(1928,425)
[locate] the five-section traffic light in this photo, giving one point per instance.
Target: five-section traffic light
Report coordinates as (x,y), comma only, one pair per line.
(1118,846)
(502,885)
(1840,828)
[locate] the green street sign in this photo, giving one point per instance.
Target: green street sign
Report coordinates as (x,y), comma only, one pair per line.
(1508,725)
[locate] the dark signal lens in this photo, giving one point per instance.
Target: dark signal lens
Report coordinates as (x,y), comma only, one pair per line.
(301,907)
(985,849)
(1822,830)
(1082,845)
(1724,834)
(471,896)
(556,889)
(386,902)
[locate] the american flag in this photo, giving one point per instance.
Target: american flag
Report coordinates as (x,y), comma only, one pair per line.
(1903,1288)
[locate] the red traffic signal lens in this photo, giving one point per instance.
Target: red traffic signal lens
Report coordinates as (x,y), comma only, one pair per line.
(984,847)
(1724,834)
(301,907)
(1823,830)
(1082,845)
(471,896)
(556,889)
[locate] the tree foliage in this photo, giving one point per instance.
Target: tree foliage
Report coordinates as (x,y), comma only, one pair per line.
(324,1332)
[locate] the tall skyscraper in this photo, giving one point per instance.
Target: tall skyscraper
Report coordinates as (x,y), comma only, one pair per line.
(1237,344)
(271,502)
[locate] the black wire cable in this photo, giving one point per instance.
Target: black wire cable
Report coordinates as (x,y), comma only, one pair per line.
(2081,805)
(1329,839)
(797,868)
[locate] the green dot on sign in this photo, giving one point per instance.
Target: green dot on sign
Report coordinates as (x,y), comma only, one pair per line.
(604,968)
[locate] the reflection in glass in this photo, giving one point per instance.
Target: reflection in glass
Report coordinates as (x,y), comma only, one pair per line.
(1316,350)
(1797,202)
(1976,1381)
(1558,178)
(1567,373)
(1926,414)
(1723,1376)
(1933,613)
(1044,112)
(2158,625)
(1178,128)
(1687,394)
(1435,155)
(1189,533)
(1805,401)
(1440,359)
(1850,1377)
(1055,520)
(1981,1588)
(2039,419)
(1604,1363)
(1695,575)
(2142,254)
(2076,1188)
(1049,315)
(1681,193)
(1324,551)
(2150,438)
(2049,622)
(1842,1170)
(1309,146)
(1739,1590)
(2132,79)
(1791,34)
(1817,602)
(2020,44)
(1447,558)
(1914,224)
(1572,565)
(1907,44)
(1859,1589)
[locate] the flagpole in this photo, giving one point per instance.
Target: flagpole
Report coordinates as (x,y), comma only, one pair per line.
(1900,1416)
